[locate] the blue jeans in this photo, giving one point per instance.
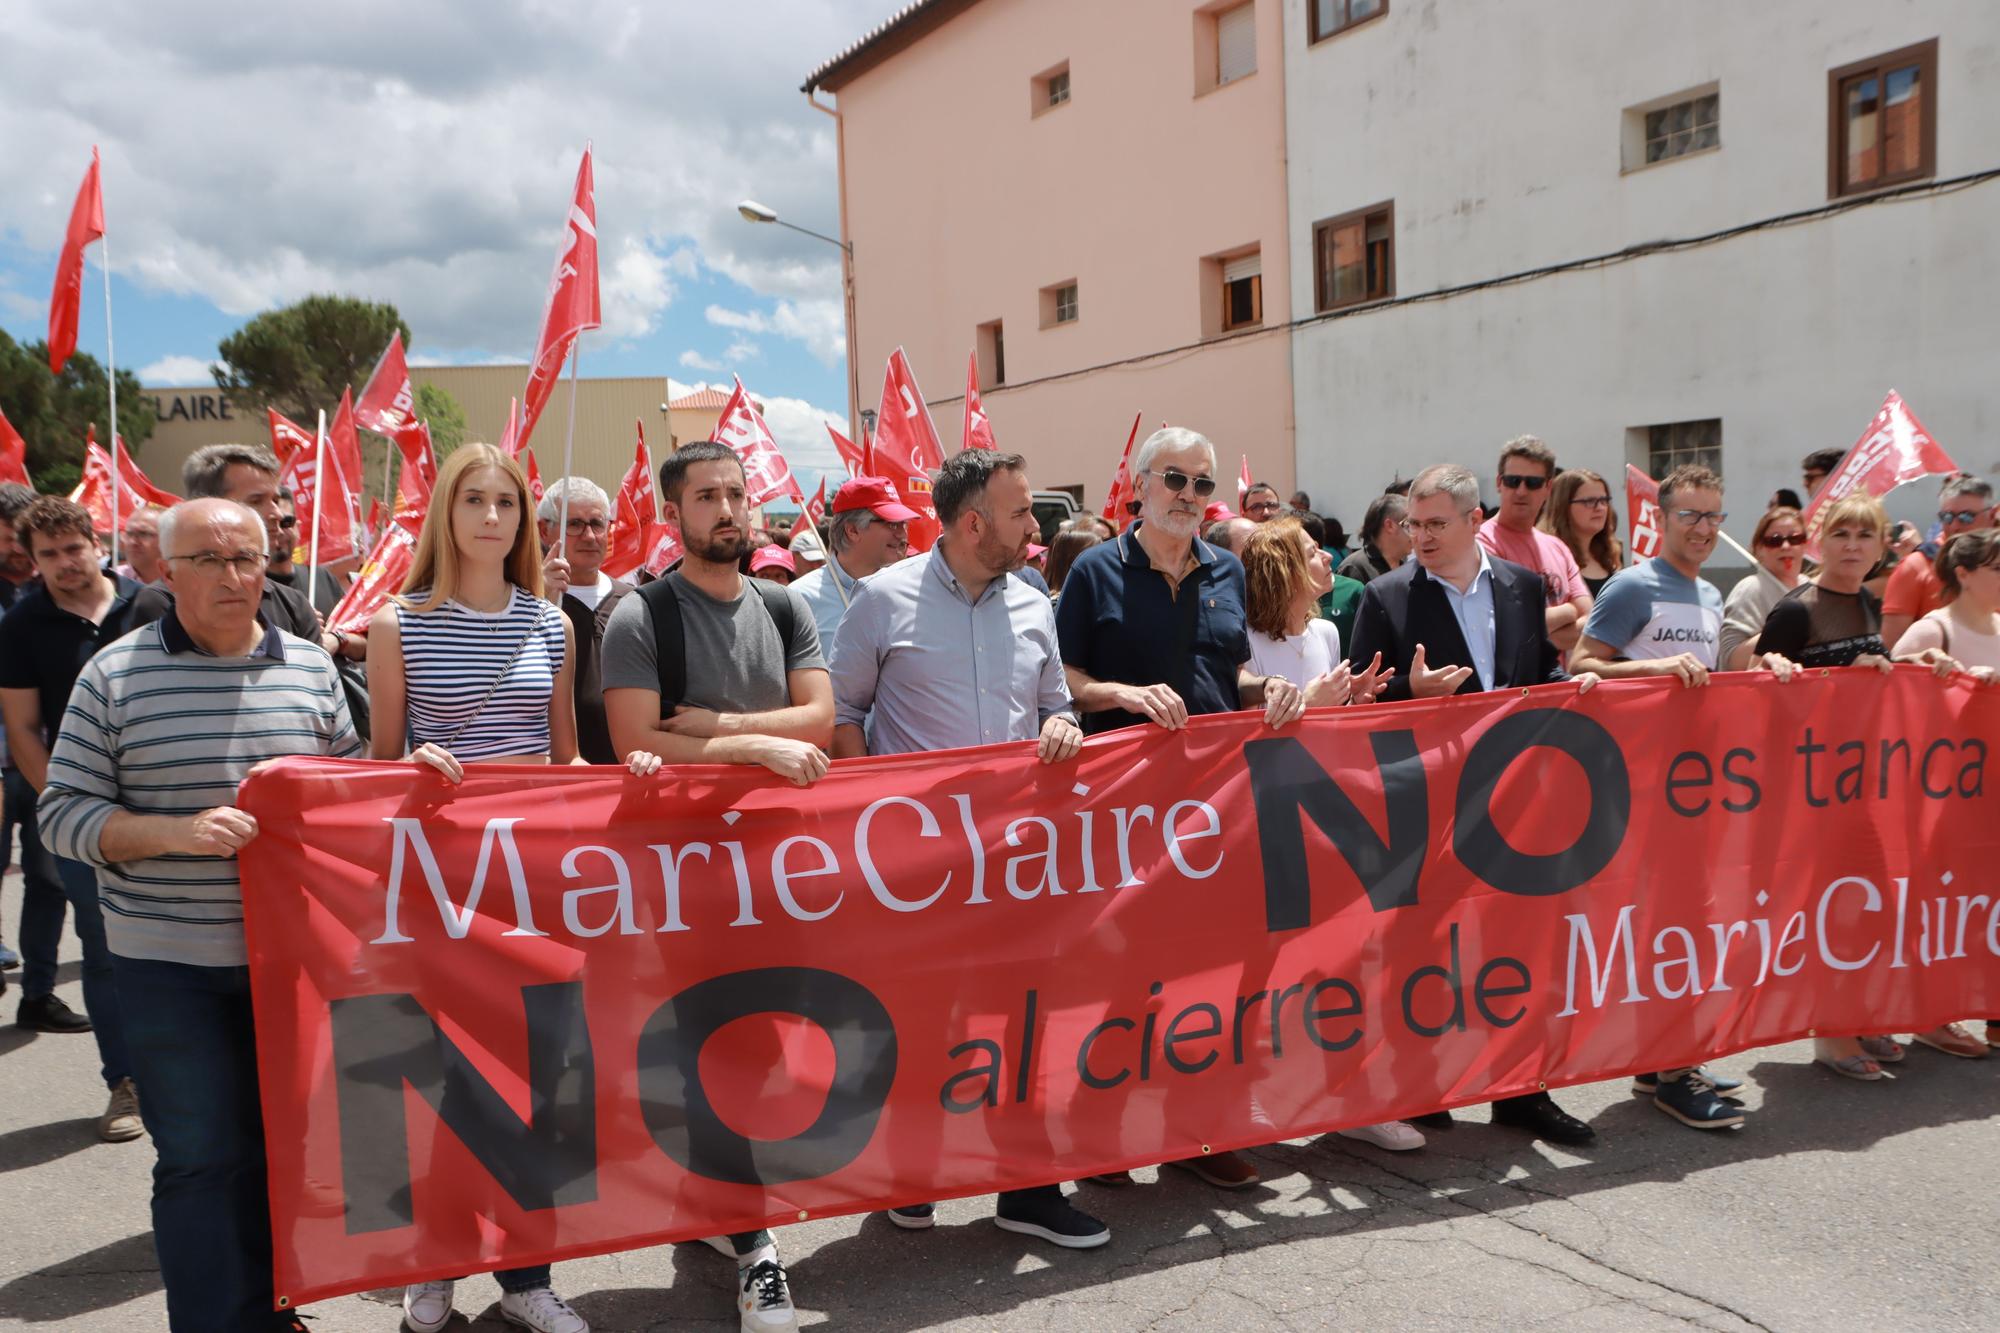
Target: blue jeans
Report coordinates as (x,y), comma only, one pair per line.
(194,1056)
(42,895)
(100,986)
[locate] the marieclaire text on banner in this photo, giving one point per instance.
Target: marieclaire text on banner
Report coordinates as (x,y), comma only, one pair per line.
(557,1012)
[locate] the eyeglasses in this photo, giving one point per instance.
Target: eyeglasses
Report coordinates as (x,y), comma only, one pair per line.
(1694,518)
(1176,481)
(1514,481)
(1593,501)
(1260,507)
(210,565)
(287,524)
(593,525)
(1774,541)
(1964,518)
(1430,527)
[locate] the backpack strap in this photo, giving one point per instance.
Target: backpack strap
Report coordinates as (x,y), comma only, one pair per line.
(778,603)
(669,641)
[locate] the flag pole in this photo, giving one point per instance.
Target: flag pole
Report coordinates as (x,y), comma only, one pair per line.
(111,376)
(569,449)
(319,503)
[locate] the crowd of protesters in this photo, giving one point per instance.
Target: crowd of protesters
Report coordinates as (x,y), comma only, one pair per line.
(137,697)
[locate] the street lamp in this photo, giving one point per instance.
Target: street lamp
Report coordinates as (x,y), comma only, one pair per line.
(752,211)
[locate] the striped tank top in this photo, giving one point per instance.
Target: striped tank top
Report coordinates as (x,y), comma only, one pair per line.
(451,656)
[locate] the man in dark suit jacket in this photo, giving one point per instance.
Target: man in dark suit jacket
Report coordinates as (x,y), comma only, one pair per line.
(1457,621)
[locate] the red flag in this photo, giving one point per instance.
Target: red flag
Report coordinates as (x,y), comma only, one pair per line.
(377,516)
(978,430)
(13,453)
(1894,449)
(906,447)
(289,441)
(381,574)
(1121,492)
(534,478)
(1243,482)
(388,403)
(324,468)
(815,508)
(636,517)
(766,474)
(135,490)
(86,224)
(665,551)
(1642,505)
(418,475)
(511,438)
(573,304)
(850,453)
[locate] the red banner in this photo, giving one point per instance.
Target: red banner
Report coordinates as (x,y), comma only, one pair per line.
(1642,509)
(562,1011)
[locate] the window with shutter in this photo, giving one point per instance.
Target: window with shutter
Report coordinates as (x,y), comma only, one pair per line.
(1236,43)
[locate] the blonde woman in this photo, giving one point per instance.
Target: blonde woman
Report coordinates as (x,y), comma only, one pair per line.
(1581,513)
(1285,573)
(470,664)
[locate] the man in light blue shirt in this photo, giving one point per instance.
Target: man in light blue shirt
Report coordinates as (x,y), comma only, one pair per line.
(1472,607)
(952,649)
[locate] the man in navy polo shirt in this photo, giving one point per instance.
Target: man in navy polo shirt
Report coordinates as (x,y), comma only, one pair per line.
(1152,629)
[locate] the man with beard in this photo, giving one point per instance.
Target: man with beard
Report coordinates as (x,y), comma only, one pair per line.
(326,587)
(1152,630)
(45,640)
(953,649)
(705,666)
(573,578)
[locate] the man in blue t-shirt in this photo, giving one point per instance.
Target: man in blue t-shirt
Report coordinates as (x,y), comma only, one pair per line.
(1661,618)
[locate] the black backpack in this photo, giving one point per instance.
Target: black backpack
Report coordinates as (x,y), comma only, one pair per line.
(670,637)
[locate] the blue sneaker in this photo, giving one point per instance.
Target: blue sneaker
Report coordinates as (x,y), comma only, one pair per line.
(8,958)
(916,1217)
(1691,1099)
(1645,1085)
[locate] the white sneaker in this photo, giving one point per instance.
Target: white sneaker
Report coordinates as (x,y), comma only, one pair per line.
(541,1310)
(765,1299)
(1394,1135)
(426,1306)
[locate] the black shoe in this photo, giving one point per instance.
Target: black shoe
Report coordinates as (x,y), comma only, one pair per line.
(1691,1099)
(1539,1115)
(1645,1085)
(48,1014)
(1431,1120)
(916,1217)
(1051,1218)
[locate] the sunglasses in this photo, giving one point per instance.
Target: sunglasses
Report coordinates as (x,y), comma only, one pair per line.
(1514,481)
(1176,481)
(1957,518)
(1773,541)
(287,524)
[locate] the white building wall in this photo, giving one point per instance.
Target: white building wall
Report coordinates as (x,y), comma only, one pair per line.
(1496,130)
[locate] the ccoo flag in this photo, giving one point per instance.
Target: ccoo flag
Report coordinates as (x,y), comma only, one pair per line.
(573,301)
(906,447)
(86,224)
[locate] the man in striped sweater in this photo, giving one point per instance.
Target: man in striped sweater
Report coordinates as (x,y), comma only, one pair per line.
(163,725)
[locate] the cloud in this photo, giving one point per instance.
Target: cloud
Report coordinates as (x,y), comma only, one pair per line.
(693,360)
(255,157)
(820,325)
(177,372)
(741,350)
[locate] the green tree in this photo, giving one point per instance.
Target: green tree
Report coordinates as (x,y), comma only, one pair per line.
(300,358)
(53,412)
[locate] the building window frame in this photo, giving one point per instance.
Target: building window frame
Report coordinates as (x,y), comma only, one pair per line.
(1049,91)
(1383,286)
(1666,445)
(990,343)
(1347,22)
(1254,294)
(1696,136)
(1059,304)
(1924,57)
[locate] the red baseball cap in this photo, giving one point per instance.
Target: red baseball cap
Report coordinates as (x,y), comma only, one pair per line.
(1217,512)
(875,494)
(767,556)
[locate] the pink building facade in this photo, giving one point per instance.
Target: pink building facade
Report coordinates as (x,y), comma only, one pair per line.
(1092,196)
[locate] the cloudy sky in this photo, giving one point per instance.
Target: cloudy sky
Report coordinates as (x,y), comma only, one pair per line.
(423,154)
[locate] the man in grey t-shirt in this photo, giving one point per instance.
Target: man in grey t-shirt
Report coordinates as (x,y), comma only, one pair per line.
(747,698)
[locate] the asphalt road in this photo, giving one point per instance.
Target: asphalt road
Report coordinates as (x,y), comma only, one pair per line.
(1838,1205)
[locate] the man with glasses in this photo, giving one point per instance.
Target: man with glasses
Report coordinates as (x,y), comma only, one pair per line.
(573,578)
(140,545)
(285,569)
(45,640)
(868,530)
(1527,466)
(165,853)
(1661,618)
(1261,504)
(1152,629)
(1457,621)
(1964,505)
